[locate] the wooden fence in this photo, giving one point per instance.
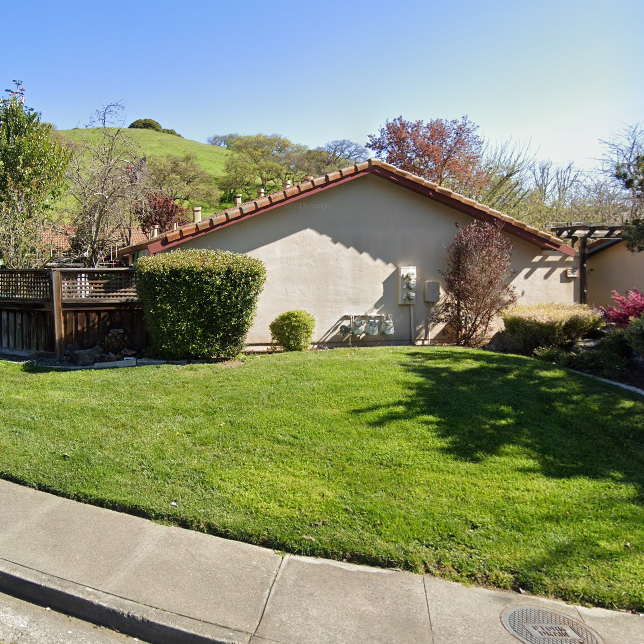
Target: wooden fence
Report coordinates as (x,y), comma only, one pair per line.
(46,311)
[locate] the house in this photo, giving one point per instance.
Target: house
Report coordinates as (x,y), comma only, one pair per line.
(612,267)
(345,246)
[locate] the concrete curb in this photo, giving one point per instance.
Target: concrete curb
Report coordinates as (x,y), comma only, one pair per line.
(122,615)
(622,385)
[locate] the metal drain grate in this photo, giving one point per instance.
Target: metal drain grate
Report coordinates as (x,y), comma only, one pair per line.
(537,626)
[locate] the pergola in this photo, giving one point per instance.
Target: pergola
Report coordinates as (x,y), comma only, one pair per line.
(579,233)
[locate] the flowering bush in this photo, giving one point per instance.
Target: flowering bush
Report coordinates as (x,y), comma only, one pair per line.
(628,306)
(548,325)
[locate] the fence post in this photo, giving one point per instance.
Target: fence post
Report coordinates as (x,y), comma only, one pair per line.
(57,295)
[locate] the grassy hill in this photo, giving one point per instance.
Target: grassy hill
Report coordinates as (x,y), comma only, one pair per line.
(211,158)
(156,144)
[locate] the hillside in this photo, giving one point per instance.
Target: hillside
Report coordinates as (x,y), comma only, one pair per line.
(155,144)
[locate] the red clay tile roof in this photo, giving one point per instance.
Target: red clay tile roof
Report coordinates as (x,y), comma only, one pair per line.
(372,166)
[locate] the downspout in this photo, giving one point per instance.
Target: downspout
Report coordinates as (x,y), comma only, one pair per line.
(583,270)
(412,334)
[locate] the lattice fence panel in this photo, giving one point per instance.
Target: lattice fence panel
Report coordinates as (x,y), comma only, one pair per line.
(104,286)
(25,285)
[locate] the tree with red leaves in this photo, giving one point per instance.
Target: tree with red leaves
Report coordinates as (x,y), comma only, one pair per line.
(162,210)
(448,153)
(477,281)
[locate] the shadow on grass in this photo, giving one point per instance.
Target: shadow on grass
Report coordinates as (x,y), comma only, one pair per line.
(483,403)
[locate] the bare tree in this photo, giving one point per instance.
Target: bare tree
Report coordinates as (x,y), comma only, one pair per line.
(622,158)
(106,178)
(509,167)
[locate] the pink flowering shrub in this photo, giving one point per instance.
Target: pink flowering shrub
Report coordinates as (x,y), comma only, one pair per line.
(628,306)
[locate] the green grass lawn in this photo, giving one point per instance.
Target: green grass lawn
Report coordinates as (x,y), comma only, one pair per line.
(474,466)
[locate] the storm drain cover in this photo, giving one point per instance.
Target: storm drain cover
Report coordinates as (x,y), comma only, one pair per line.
(537,626)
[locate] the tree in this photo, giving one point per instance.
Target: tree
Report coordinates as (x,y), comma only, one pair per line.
(106,178)
(160,210)
(448,153)
(477,281)
(146,124)
(183,178)
(222,140)
(332,156)
(32,172)
(623,162)
(509,168)
(633,236)
(261,161)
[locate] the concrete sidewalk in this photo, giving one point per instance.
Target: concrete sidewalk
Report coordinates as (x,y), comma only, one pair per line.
(165,585)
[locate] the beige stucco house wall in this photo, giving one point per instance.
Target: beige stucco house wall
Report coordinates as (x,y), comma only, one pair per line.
(613,268)
(337,252)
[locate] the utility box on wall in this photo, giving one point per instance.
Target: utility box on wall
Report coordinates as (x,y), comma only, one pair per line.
(406,285)
(432,292)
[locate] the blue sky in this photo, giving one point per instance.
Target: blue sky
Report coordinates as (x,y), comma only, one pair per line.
(558,74)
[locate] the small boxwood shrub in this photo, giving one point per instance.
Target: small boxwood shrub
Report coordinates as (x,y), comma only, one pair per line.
(548,325)
(198,303)
(293,330)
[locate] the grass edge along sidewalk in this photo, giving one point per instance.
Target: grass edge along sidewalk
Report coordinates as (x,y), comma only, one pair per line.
(476,467)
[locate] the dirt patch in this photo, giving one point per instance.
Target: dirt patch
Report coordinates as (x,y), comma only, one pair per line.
(229,364)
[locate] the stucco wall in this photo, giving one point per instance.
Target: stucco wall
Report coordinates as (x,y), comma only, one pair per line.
(614,269)
(338,252)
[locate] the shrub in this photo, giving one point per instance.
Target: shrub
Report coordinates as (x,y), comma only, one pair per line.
(598,362)
(552,354)
(548,325)
(198,303)
(616,343)
(634,335)
(477,281)
(293,330)
(628,306)
(166,130)
(146,124)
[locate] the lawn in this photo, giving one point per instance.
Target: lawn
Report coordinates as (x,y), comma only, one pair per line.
(478,467)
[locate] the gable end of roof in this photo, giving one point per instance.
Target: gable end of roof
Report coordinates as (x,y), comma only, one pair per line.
(379,168)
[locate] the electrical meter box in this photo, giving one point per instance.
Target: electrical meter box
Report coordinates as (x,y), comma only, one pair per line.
(406,284)
(432,291)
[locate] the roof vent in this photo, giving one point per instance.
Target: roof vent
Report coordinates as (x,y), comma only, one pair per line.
(260,193)
(309,177)
(238,199)
(196,214)
(286,184)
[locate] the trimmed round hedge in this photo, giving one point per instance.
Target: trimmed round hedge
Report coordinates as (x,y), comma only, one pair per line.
(198,303)
(293,330)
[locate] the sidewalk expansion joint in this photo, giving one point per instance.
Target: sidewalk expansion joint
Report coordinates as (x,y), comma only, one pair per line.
(270,592)
(429,614)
